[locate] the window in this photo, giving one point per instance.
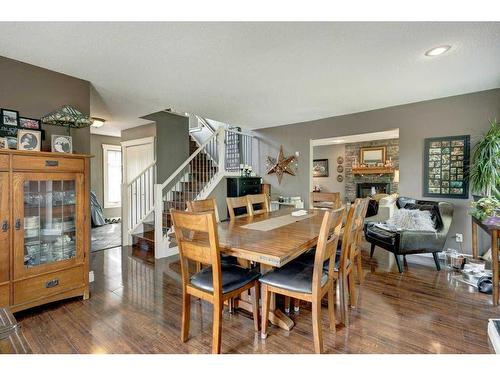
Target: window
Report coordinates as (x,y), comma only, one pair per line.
(112,172)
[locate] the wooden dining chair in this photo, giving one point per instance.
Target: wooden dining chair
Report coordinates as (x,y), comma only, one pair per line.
(204,205)
(197,239)
(308,282)
(325,200)
(260,199)
(357,252)
(234,203)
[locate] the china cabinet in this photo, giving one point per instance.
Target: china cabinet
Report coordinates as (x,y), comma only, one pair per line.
(44,227)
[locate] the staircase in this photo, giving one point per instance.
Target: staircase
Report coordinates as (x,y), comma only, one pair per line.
(219,156)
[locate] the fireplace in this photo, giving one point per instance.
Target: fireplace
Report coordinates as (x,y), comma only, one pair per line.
(366,189)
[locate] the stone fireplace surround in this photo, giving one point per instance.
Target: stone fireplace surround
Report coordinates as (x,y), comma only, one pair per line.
(352,181)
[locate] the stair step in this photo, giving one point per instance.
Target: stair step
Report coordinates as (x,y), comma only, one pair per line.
(144,241)
(178,205)
(146,236)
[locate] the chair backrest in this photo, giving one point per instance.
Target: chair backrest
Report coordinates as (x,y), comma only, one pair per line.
(326,248)
(197,240)
(332,198)
(364,202)
(261,199)
(353,223)
(204,205)
(237,202)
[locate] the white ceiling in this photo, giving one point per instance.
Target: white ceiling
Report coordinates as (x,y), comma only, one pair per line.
(365,137)
(259,74)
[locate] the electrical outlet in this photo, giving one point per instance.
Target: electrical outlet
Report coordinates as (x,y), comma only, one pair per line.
(91,276)
(459,237)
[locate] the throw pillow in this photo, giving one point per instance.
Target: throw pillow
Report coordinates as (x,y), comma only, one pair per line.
(433,209)
(415,220)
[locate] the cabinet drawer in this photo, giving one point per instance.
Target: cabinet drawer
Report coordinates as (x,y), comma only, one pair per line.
(4,295)
(47,164)
(49,284)
(4,162)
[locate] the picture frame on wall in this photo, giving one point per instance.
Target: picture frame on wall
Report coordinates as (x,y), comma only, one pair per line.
(9,117)
(62,143)
(29,123)
(320,168)
(446,167)
(29,140)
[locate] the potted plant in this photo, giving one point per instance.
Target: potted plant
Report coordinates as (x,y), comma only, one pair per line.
(484,175)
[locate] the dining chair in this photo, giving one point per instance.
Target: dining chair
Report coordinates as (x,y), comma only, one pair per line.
(204,205)
(357,252)
(197,239)
(308,282)
(325,200)
(237,202)
(260,199)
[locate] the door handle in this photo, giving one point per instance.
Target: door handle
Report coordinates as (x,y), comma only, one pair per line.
(5,226)
(18,224)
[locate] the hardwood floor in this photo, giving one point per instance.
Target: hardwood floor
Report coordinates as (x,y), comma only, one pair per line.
(135,307)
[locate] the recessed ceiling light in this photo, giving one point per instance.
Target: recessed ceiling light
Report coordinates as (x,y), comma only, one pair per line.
(97,122)
(436,51)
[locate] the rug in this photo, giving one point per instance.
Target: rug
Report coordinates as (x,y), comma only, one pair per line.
(106,237)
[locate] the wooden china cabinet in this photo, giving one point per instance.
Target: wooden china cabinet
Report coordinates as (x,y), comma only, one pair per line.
(44,227)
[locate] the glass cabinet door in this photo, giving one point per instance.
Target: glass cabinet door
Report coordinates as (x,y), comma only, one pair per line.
(46,231)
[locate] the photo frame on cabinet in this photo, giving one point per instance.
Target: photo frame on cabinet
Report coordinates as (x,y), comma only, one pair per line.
(29,140)
(29,123)
(62,143)
(10,117)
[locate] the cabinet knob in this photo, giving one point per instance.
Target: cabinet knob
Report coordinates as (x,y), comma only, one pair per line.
(5,226)
(18,224)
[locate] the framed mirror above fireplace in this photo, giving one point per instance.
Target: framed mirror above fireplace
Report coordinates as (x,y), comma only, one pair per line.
(372,156)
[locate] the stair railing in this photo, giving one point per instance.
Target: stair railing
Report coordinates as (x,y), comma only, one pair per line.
(139,197)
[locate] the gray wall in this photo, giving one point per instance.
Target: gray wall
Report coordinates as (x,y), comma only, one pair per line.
(96,165)
(172,142)
(35,92)
(330,184)
(143,131)
(463,114)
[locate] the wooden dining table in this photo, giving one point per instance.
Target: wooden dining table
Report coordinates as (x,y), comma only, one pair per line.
(270,246)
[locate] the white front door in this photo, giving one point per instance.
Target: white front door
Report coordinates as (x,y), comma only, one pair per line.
(138,154)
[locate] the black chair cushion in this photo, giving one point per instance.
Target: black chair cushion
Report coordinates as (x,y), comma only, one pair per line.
(233,277)
(401,202)
(294,276)
(228,259)
(372,208)
(380,235)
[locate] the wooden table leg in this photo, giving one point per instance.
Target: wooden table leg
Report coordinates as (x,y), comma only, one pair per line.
(494,265)
(474,239)
(276,316)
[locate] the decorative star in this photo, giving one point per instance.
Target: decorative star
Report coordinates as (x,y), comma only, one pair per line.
(281,165)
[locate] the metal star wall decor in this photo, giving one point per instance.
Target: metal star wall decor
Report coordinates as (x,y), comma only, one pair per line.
(281,165)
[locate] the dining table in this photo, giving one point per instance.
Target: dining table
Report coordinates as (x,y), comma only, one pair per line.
(271,240)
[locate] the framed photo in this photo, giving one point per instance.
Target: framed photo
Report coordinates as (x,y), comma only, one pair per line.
(446,167)
(11,143)
(320,168)
(372,155)
(62,143)
(29,123)
(10,117)
(29,140)
(3,143)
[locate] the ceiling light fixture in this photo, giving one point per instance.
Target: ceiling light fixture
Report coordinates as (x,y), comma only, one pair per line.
(97,122)
(436,51)
(338,140)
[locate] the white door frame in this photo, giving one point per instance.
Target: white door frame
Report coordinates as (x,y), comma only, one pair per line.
(126,238)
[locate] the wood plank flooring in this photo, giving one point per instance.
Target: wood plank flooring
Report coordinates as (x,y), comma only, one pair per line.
(135,307)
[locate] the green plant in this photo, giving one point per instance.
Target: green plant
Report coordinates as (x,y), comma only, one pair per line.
(485,208)
(485,167)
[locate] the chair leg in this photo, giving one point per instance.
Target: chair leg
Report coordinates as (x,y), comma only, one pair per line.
(331,307)
(359,268)
(296,305)
(405,263)
(316,322)
(372,250)
(217,328)
(398,263)
(287,304)
(186,315)
(352,289)
(344,316)
(255,306)
(266,299)
(436,261)
(198,266)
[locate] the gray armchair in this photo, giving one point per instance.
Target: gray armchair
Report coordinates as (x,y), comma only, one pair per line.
(407,242)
